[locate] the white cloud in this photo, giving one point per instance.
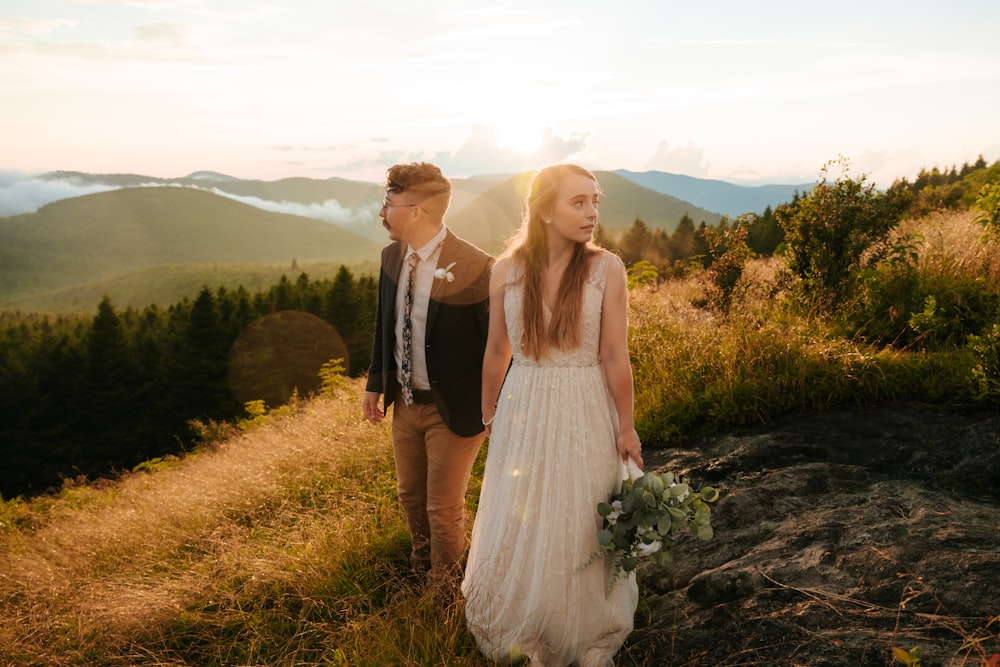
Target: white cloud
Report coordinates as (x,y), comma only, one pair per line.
(164,33)
(688,160)
(24,193)
(328,211)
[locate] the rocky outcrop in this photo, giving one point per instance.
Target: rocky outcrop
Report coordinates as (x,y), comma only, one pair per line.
(837,537)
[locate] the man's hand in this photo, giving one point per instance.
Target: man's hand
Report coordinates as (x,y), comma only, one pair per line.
(373,413)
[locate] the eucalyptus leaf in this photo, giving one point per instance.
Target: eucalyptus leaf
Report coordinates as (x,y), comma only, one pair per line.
(709,494)
(679,490)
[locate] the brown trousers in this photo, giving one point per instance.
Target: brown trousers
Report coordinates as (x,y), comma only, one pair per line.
(433,466)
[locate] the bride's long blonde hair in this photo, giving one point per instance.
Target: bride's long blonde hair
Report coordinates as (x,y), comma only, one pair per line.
(529,248)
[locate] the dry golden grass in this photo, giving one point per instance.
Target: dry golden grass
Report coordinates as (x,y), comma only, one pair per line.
(270,509)
(951,244)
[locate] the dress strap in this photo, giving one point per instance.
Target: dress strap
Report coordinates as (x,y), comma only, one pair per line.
(514,273)
(599,271)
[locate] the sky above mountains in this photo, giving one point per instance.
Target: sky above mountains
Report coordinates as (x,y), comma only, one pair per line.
(747,92)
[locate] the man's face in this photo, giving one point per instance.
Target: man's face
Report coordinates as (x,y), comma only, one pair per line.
(398,213)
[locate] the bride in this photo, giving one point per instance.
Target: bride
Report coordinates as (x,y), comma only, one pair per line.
(557,403)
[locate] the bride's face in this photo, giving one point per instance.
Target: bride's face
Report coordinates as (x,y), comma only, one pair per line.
(574,213)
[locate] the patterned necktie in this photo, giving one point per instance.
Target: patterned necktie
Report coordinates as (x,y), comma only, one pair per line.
(406,370)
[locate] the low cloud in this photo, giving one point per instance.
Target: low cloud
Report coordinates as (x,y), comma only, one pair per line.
(558,149)
(328,211)
(26,193)
(688,160)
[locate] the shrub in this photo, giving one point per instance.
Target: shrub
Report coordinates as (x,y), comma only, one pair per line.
(986,371)
(905,308)
(988,207)
(837,230)
(728,252)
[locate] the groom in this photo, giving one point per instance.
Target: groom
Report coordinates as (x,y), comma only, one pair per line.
(427,358)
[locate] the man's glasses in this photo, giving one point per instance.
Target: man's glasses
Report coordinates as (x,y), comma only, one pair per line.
(386,204)
(395,189)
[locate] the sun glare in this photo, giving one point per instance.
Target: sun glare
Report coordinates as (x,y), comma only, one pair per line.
(520,139)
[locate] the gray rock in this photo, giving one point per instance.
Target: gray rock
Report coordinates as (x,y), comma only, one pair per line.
(837,537)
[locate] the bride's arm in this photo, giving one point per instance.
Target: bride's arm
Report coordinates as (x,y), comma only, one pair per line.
(498,352)
(616,361)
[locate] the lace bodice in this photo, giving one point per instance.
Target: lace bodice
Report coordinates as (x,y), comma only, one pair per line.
(590,322)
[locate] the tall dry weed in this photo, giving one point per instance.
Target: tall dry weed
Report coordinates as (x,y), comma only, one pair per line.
(952,245)
(270,510)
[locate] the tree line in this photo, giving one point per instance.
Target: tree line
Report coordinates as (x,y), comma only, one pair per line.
(84,396)
(673,253)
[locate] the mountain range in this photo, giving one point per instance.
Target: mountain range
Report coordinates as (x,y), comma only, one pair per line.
(719,196)
(119,240)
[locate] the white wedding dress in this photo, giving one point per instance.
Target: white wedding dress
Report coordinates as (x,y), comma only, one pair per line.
(533,587)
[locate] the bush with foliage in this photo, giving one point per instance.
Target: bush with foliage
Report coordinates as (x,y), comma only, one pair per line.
(901,306)
(836,231)
(988,207)
(728,253)
(986,372)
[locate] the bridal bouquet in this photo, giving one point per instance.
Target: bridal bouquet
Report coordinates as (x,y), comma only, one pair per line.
(643,518)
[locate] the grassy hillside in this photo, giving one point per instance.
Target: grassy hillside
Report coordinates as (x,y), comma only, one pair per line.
(83,239)
(490,219)
(202,561)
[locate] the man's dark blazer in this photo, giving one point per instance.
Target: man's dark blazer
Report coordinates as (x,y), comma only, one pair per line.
(455,340)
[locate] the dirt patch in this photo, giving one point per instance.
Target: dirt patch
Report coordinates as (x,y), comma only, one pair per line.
(837,537)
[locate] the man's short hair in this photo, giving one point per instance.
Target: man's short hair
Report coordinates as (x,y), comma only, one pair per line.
(423,179)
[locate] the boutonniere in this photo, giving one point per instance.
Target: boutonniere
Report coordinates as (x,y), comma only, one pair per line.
(445,273)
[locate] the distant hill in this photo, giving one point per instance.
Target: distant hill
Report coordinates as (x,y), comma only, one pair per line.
(84,239)
(299,190)
(720,196)
(717,197)
(347,203)
(150,237)
(491,219)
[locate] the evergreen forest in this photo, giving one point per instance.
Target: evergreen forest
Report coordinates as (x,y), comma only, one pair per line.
(85,397)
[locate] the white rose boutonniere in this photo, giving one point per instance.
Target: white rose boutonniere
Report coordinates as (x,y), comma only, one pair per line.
(445,273)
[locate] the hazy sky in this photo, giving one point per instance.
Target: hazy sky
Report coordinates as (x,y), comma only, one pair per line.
(764,91)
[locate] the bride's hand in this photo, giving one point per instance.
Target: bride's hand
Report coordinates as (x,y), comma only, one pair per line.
(629,447)
(488,421)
